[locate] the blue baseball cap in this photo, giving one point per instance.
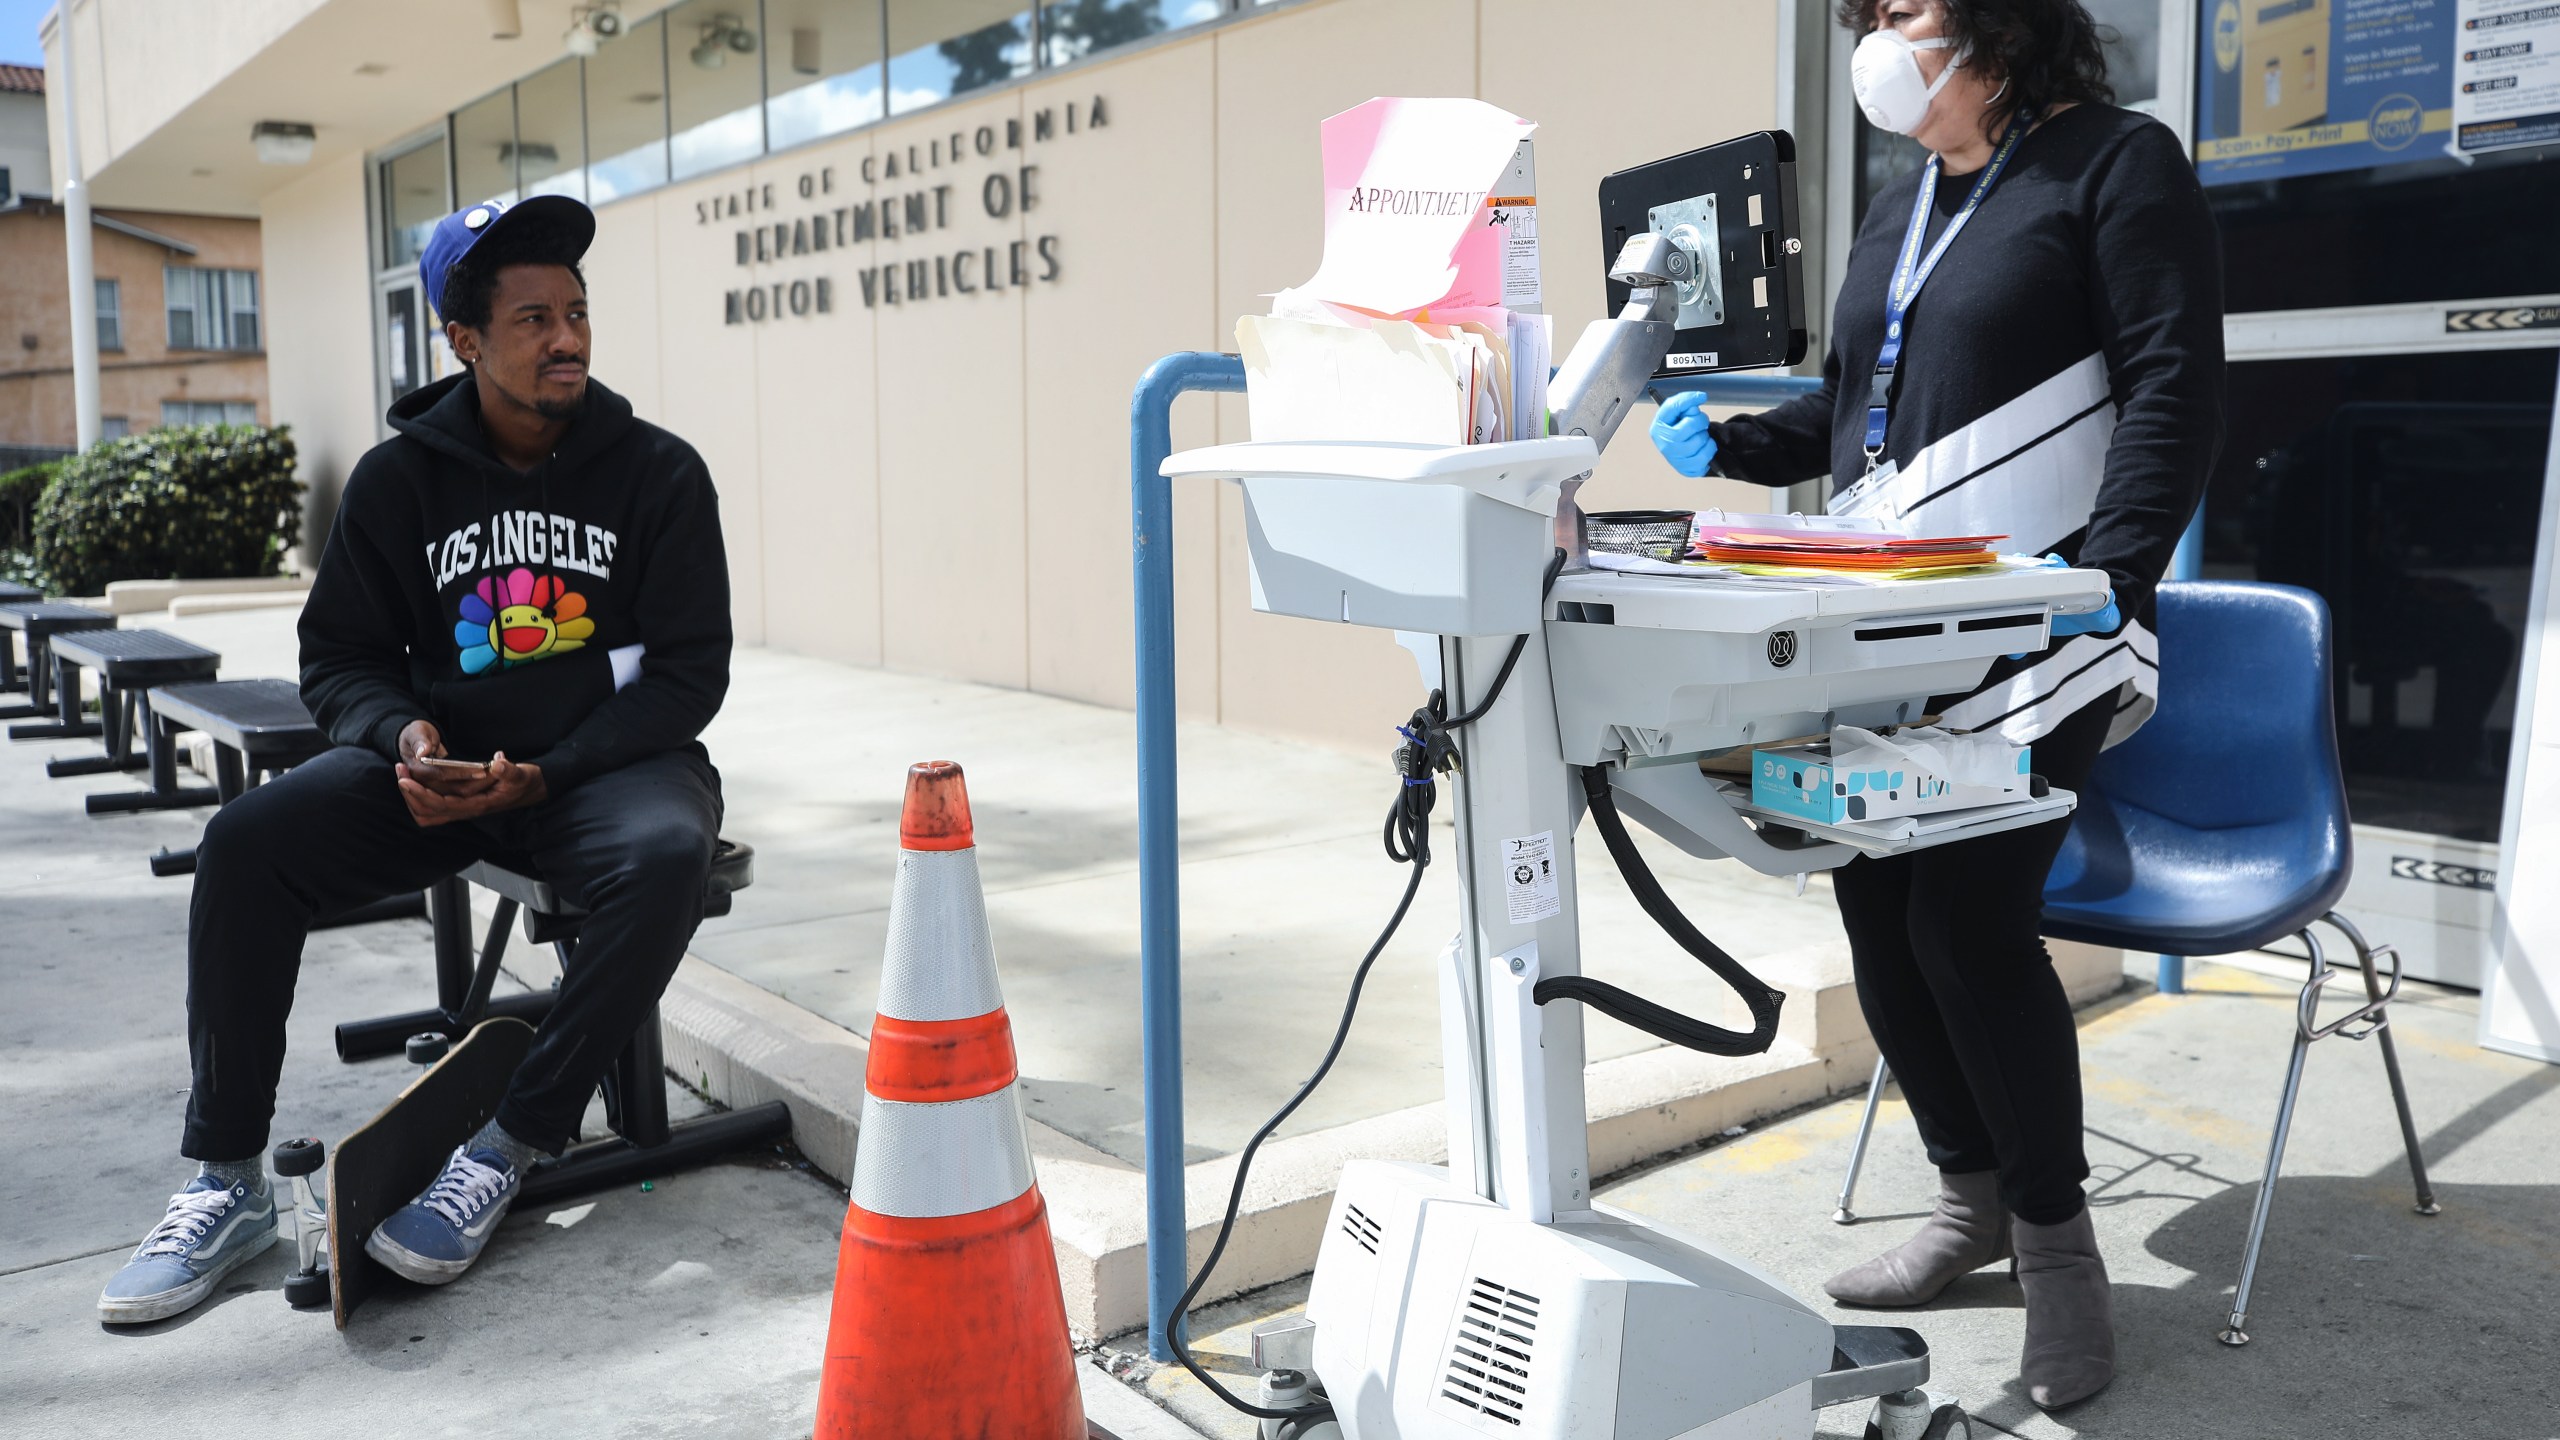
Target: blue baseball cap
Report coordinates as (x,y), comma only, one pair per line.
(456,233)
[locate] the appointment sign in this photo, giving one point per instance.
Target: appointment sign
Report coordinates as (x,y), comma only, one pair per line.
(2302,87)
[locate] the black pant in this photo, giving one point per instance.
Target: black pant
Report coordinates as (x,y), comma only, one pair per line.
(1962,998)
(632,846)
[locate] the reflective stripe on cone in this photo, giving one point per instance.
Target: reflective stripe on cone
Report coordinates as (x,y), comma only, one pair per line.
(941,962)
(929,1161)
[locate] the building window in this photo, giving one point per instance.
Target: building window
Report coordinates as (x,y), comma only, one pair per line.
(114,427)
(715,86)
(212,309)
(822,69)
(208,412)
(627,112)
(484,150)
(413,201)
(934,59)
(1072,29)
(110,315)
(551,134)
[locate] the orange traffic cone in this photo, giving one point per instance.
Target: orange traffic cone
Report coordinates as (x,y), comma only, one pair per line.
(948,1319)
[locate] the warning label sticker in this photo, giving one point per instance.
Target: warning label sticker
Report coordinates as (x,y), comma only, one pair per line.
(1529,878)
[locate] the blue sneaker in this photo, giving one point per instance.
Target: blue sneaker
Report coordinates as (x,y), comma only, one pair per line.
(211,1230)
(435,1237)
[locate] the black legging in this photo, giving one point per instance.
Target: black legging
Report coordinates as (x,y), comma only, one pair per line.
(1963,1001)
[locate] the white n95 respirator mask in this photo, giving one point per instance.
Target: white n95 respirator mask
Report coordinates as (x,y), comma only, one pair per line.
(1885,75)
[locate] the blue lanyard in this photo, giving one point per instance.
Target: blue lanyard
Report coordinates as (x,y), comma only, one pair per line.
(1911,271)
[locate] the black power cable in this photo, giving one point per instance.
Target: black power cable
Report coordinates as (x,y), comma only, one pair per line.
(1428,752)
(1659,1021)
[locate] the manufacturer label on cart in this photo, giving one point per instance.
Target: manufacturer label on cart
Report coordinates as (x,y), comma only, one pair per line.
(1529,878)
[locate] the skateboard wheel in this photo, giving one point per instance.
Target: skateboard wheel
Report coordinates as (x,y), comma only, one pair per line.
(307,1289)
(428,1048)
(298,1157)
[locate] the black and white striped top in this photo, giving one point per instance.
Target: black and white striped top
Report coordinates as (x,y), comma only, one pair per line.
(2060,383)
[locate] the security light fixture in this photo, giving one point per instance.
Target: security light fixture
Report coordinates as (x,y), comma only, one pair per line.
(283,142)
(591,25)
(720,35)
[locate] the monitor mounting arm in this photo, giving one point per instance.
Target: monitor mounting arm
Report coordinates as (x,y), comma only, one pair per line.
(1614,360)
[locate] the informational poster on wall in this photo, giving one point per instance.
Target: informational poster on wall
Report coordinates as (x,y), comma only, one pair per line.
(2506,74)
(2300,87)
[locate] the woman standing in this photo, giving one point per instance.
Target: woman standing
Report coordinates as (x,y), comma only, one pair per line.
(2028,342)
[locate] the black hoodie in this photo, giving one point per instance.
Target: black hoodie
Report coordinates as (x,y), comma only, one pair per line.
(503,606)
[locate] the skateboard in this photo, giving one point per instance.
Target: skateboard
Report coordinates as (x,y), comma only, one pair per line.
(396,1154)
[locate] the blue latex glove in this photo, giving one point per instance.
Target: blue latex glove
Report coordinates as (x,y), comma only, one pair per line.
(1680,433)
(2103,620)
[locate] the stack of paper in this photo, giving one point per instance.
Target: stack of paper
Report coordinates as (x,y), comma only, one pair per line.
(1847,550)
(1421,323)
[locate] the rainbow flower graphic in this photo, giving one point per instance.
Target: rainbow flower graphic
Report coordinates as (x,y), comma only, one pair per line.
(518,620)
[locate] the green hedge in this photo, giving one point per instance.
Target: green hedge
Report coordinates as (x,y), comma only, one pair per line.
(201,502)
(18,492)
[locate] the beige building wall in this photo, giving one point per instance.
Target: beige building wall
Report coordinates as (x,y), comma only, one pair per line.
(142,373)
(942,486)
(319,314)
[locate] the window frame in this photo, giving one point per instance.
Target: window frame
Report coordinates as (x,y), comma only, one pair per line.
(110,309)
(231,309)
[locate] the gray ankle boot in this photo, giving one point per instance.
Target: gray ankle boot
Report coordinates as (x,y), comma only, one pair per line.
(1969,1230)
(2071,1332)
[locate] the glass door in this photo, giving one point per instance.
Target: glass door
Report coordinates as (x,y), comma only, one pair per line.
(2405,488)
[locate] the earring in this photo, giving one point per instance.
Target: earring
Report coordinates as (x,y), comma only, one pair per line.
(1996,94)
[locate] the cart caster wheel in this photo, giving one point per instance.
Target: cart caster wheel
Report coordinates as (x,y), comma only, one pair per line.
(1912,1415)
(297,1157)
(307,1289)
(428,1048)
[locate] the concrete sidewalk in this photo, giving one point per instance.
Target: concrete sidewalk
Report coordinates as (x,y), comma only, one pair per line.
(2366,1318)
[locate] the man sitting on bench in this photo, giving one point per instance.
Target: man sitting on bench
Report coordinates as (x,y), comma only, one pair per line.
(524,575)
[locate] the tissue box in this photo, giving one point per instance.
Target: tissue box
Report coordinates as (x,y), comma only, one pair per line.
(1864,776)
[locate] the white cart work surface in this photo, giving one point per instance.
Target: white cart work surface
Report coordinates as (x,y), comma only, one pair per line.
(1492,1297)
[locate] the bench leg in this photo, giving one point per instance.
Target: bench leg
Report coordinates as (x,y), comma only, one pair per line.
(66,699)
(15,680)
(160,757)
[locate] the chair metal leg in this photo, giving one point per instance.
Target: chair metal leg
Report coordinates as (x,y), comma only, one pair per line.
(2375,996)
(2232,1333)
(1858,1147)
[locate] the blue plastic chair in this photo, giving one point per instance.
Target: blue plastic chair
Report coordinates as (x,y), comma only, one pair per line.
(2221,826)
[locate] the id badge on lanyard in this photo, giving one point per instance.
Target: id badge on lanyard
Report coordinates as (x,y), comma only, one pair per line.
(1911,271)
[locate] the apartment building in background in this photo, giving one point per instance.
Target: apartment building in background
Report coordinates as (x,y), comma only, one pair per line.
(180,333)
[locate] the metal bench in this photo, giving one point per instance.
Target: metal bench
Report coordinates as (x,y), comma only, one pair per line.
(258,728)
(40,621)
(130,664)
(635,1095)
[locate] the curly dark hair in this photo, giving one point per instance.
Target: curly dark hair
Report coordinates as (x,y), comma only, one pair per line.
(471,286)
(2050,52)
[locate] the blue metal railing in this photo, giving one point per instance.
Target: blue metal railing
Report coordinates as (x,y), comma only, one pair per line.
(1159,852)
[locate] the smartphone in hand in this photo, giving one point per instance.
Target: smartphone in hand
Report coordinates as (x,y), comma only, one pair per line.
(467,767)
